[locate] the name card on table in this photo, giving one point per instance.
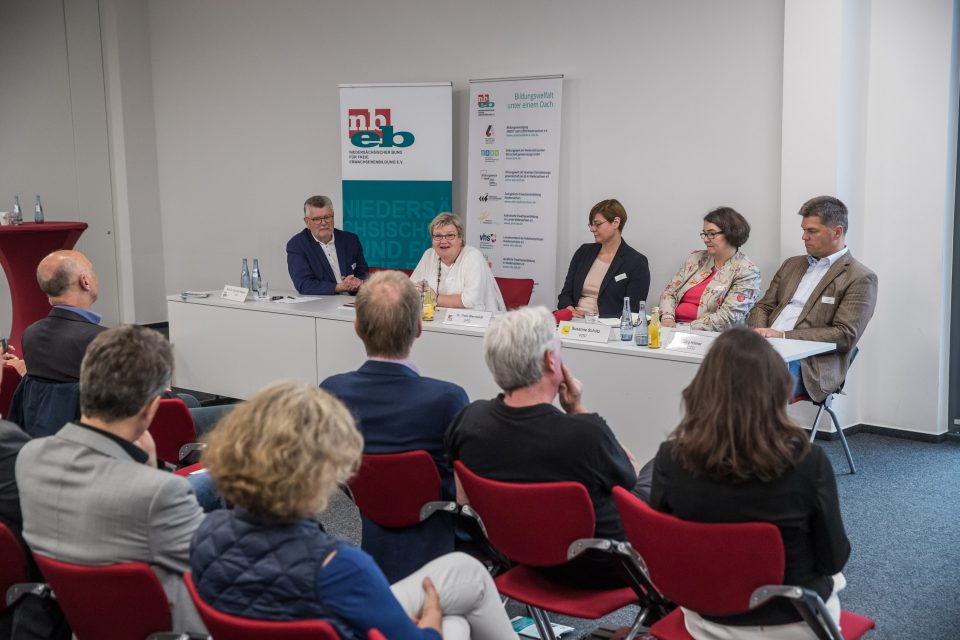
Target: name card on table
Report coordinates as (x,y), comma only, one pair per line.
(467,318)
(235,294)
(585,331)
(691,343)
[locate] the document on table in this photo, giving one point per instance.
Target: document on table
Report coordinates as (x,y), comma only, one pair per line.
(296,299)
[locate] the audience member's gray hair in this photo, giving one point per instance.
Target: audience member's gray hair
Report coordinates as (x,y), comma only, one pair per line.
(123,369)
(514,346)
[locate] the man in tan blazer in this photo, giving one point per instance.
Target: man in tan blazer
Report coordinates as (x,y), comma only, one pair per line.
(825,296)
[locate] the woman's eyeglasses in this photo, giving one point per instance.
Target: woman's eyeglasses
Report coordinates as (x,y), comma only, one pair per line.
(710,234)
(449,237)
(596,225)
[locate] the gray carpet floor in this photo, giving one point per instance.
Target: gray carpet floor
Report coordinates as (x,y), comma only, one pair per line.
(902,514)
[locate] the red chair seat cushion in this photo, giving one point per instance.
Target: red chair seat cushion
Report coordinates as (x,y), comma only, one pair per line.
(530,586)
(852,626)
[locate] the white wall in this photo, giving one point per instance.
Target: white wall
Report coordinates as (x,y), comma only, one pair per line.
(672,108)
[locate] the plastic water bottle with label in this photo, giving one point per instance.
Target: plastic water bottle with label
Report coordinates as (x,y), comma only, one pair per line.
(626,322)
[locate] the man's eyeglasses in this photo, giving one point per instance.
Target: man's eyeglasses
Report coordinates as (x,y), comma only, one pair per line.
(449,237)
(320,219)
(596,225)
(710,234)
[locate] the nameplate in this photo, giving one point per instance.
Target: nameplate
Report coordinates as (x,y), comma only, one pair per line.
(234,294)
(691,343)
(584,331)
(467,318)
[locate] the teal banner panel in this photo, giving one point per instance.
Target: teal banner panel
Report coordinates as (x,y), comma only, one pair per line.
(392,217)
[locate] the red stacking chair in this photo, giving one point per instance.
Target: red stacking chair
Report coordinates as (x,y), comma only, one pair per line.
(185,471)
(223,626)
(516,292)
(14,571)
(397,490)
(122,601)
(547,524)
(720,569)
(173,431)
(826,405)
(8,385)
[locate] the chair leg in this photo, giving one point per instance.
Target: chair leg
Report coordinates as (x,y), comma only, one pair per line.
(843,440)
(544,628)
(816,421)
(637,624)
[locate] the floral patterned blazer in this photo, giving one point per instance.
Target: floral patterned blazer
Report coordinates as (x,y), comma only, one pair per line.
(727,299)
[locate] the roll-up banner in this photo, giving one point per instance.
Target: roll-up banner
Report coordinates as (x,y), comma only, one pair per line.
(512,194)
(396,166)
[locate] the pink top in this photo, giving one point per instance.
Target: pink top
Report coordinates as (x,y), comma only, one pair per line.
(690,302)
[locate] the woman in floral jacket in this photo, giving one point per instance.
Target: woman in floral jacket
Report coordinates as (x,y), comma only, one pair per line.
(715,288)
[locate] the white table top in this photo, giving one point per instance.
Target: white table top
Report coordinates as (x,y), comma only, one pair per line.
(335,308)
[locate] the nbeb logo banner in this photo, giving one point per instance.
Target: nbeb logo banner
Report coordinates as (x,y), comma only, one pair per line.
(396,166)
(512,191)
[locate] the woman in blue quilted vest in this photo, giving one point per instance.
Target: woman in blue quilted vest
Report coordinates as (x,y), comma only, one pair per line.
(278,458)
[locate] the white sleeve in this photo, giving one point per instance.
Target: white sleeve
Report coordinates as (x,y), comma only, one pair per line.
(422,269)
(474,276)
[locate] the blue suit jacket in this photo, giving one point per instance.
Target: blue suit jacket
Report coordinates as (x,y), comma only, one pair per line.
(400,410)
(309,268)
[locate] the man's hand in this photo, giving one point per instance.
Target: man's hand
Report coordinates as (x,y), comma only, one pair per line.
(770,333)
(431,615)
(571,392)
(146,443)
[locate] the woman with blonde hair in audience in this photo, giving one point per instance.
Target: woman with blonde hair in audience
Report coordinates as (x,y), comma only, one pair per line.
(718,285)
(278,458)
(737,457)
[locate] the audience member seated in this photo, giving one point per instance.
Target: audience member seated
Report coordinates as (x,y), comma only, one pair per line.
(826,296)
(322,260)
(457,275)
(737,457)
(604,272)
(716,287)
(53,347)
(91,493)
(397,410)
(278,458)
(520,436)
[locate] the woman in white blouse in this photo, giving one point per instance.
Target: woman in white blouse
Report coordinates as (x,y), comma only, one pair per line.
(458,276)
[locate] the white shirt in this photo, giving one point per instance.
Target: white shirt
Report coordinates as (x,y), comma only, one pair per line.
(330,250)
(787,319)
(469,276)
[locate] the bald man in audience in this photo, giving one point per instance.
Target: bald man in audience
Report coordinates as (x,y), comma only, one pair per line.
(396,410)
(54,346)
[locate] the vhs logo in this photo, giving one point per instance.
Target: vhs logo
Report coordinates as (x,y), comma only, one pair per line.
(484,102)
(488,237)
(490,153)
(365,130)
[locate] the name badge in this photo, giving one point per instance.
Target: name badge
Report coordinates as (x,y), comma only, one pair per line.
(234,294)
(828,300)
(620,277)
(467,318)
(584,331)
(691,343)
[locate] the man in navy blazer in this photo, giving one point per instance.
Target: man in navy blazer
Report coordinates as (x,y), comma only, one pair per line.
(397,410)
(322,260)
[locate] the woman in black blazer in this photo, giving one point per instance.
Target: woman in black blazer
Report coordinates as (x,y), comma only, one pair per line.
(604,272)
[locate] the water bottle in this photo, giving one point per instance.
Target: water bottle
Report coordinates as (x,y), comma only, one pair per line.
(429,306)
(255,279)
(641,336)
(38,212)
(654,328)
(245,275)
(626,321)
(16,216)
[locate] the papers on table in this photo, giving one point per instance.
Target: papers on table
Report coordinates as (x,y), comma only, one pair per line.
(295,299)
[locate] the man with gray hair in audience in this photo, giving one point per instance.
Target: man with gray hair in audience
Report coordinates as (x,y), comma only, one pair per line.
(520,436)
(92,494)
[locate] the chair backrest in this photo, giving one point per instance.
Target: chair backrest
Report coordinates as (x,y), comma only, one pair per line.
(711,568)
(8,384)
(516,292)
(229,627)
(389,489)
(108,602)
(409,272)
(172,427)
(533,524)
(13,562)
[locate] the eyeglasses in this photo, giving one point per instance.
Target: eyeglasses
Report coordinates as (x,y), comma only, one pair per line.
(320,219)
(710,234)
(596,225)
(449,237)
